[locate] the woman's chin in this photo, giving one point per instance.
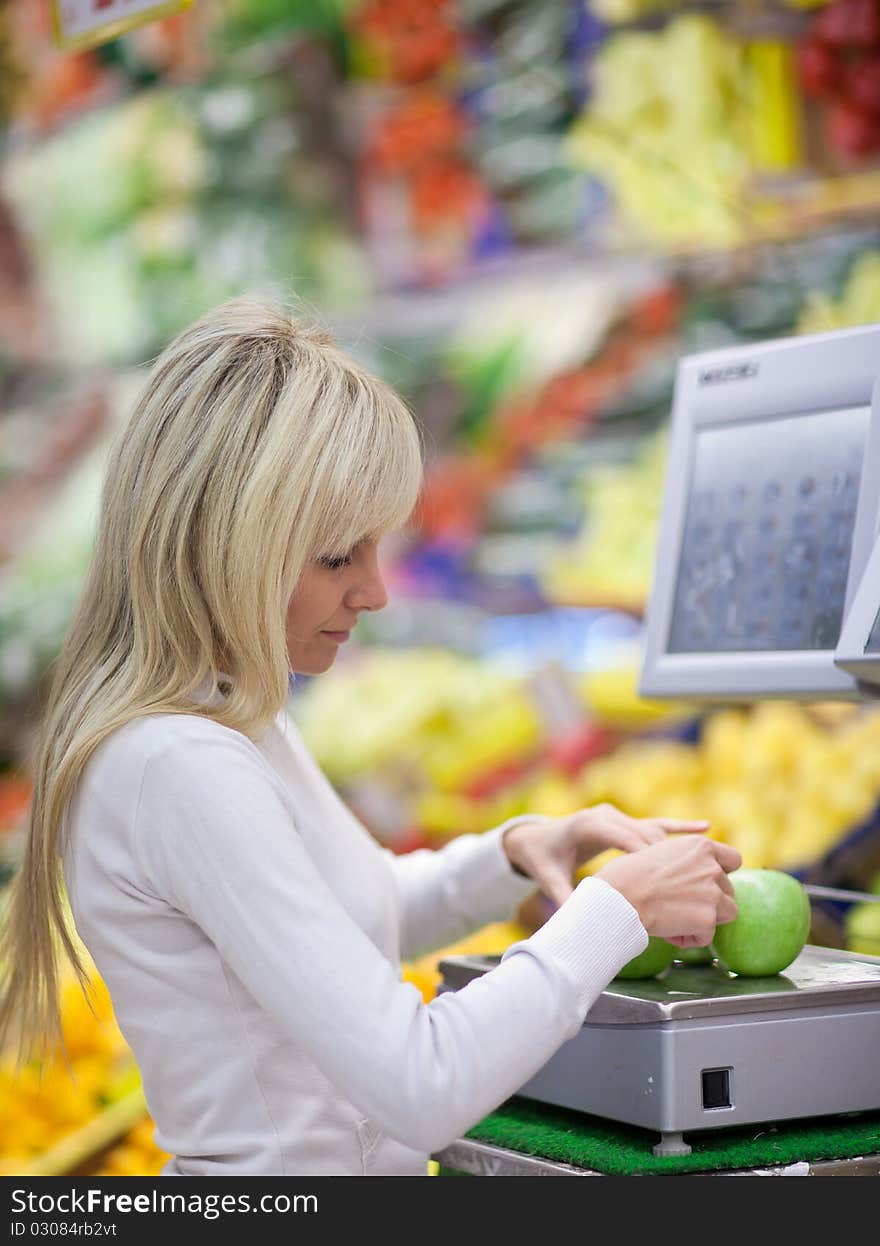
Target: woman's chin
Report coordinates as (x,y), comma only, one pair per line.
(314,664)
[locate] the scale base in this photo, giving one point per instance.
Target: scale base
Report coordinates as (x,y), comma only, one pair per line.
(671,1144)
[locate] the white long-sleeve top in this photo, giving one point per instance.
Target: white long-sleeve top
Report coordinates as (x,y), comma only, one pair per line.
(250,931)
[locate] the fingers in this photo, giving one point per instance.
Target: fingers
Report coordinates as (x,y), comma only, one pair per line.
(674,827)
(555,884)
(634,833)
(685,941)
(654,830)
(631,838)
(728,857)
(726,911)
(725,884)
(604,826)
(679,886)
(703,937)
(619,830)
(651,830)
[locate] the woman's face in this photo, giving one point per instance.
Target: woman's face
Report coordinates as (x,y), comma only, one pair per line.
(326,604)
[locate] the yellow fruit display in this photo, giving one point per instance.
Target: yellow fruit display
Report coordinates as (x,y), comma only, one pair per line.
(137,1155)
(439,742)
(781,781)
(443,814)
(52,1118)
(859,302)
(595,864)
(433,718)
(774,781)
(611,560)
(550,794)
(611,693)
(667,129)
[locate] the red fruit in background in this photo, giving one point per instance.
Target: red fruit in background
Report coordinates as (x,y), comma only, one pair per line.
(497,779)
(572,752)
(849,23)
(819,69)
(851,131)
(424,127)
(412,39)
(569,398)
(68,82)
(447,193)
(862,83)
(831,26)
(657,312)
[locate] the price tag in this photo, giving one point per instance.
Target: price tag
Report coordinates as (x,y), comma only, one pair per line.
(84,23)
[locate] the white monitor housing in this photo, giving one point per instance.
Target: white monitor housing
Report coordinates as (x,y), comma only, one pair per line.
(858,650)
(769,517)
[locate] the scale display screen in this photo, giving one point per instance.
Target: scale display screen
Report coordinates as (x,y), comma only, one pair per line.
(771,511)
(768,534)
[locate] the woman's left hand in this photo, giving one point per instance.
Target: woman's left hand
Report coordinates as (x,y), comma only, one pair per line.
(551,850)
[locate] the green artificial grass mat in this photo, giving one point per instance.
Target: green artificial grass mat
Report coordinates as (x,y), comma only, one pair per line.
(625,1150)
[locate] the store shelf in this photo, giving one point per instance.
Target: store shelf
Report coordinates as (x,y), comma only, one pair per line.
(814,202)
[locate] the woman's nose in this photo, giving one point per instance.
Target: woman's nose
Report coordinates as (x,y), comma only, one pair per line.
(369,592)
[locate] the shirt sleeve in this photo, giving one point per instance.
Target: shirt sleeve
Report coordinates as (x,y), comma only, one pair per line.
(447,894)
(223,849)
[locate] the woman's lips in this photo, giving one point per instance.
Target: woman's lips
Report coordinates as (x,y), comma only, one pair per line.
(339,637)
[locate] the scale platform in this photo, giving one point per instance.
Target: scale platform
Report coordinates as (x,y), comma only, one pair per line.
(699,1048)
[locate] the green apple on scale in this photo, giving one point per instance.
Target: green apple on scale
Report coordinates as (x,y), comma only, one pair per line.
(695,955)
(657,956)
(771,926)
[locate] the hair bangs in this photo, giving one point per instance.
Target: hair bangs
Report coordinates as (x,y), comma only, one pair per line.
(374,489)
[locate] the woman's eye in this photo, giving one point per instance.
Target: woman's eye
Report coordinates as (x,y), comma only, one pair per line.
(335,563)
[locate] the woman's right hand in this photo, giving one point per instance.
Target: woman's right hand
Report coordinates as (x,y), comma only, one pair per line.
(679,886)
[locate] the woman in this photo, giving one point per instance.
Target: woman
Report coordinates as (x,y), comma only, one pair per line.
(249,929)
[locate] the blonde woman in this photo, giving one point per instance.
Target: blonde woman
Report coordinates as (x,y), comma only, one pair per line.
(249,929)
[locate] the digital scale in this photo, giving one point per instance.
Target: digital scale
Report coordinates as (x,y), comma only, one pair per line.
(766,584)
(698,1048)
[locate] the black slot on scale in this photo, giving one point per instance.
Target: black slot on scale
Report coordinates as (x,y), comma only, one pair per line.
(766,584)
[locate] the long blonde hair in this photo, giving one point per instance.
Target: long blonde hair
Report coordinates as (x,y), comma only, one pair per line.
(256,446)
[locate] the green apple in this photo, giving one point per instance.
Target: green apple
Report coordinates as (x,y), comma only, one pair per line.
(771,925)
(657,956)
(695,955)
